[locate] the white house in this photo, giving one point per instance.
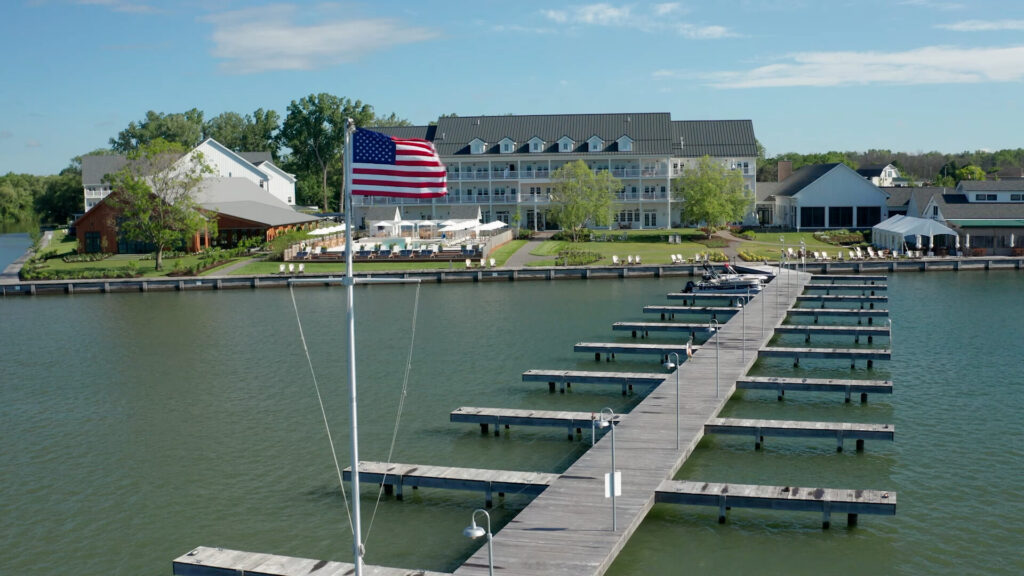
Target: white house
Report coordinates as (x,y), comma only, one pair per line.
(225,163)
(882,176)
(821,196)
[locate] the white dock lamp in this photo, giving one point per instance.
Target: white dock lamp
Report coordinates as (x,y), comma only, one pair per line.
(605,422)
(668,366)
(473,531)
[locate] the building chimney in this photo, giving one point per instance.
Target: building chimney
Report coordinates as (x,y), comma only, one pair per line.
(785,169)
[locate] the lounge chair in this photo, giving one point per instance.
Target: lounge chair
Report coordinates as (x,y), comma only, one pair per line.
(674,261)
(483,262)
(629,259)
(469,262)
(637,258)
(615,260)
(302,267)
(492,262)
(291,268)
(280,269)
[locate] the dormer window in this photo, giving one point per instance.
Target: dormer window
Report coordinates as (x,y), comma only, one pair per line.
(625,144)
(565,144)
(477,146)
(507,146)
(595,144)
(536,144)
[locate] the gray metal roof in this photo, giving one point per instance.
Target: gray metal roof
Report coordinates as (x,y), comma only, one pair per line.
(956,207)
(243,199)
(421,132)
(871,171)
(651,132)
(255,157)
(721,138)
(898,196)
(802,178)
(95,167)
(1005,185)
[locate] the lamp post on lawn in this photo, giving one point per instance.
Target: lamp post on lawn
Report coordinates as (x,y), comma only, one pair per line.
(669,366)
(717,349)
(612,484)
(473,531)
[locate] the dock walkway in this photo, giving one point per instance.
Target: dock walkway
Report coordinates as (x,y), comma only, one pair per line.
(567,529)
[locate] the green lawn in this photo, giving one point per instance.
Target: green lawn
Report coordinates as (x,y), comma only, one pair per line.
(649,252)
(766,244)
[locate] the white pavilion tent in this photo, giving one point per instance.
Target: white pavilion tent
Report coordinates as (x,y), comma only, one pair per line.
(901,232)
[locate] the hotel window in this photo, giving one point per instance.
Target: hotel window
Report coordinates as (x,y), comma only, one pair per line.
(1016,197)
(985,197)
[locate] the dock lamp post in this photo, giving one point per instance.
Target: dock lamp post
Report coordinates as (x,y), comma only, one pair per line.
(743,338)
(668,366)
(473,531)
(717,349)
(803,254)
(605,422)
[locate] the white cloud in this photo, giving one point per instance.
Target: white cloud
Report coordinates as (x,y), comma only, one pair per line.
(983,25)
(929,65)
(659,17)
(269,38)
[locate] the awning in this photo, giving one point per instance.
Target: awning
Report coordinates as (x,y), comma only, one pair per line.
(899,231)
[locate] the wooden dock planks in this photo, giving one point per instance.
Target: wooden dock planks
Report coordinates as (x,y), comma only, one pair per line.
(507,417)
(612,348)
(840,431)
(207,561)
(841,299)
(782,385)
(865,278)
(690,328)
(863,288)
(824,500)
(567,377)
(396,476)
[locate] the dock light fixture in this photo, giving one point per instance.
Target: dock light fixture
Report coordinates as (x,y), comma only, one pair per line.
(605,422)
(717,349)
(668,366)
(743,338)
(473,531)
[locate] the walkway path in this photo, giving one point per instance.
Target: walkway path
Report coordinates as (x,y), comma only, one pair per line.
(522,257)
(567,530)
(10,274)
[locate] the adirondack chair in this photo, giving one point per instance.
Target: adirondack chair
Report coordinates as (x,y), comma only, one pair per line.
(637,258)
(291,268)
(629,259)
(492,262)
(615,260)
(302,267)
(469,262)
(280,269)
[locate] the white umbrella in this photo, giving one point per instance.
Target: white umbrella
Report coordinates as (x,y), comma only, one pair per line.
(931,242)
(957,242)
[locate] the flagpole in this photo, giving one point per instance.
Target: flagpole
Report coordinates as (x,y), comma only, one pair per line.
(349,282)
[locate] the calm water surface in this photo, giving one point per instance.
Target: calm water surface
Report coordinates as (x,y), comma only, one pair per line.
(137,426)
(12,246)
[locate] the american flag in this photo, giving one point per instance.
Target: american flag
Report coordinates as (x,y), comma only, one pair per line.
(383,165)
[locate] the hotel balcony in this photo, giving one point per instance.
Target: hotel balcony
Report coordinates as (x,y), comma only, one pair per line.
(544,174)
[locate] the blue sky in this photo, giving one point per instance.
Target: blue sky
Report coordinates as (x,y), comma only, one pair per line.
(909,75)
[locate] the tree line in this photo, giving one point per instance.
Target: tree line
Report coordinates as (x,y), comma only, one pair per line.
(931,168)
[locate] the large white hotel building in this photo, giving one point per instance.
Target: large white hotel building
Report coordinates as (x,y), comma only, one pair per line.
(503,164)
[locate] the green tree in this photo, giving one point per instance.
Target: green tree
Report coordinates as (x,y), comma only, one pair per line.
(581,196)
(185,128)
(970,172)
(256,132)
(61,198)
(390,120)
(314,131)
(228,128)
(711,194)
(154,195)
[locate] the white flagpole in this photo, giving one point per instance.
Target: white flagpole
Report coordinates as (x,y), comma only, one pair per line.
(349,282)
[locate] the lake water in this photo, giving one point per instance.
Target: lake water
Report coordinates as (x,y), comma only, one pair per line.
(12,247)
(137,426)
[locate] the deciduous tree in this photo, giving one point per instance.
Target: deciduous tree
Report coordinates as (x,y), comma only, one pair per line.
(185,128)
(580,197)
(711,194)
(155,196)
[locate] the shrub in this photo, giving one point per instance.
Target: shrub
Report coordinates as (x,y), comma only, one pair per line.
(718,257)
(747,234)
(576,257)
(750,257)
(93,257)
(840,237)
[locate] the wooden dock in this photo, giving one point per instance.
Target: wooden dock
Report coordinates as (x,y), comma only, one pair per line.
(823,330)
(781,385)
(574,422)
(394,477)
(840,313)
(669,312)
(862,288)
(800,429)
(690,328)
(610,349)
(694,297)
(567,530)
(833,278)
(567,377)
(824,299)
(207,561)
(851,354)
(824,500)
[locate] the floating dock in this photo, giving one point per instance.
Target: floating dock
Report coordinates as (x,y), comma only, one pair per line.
(642,328)
(694,297)
(668,312)
(781,385)
(394,477)
(567,377)
(862,288)
(610,349)
(839,313)
(821,330)
(824,500)
(851,354)
(800,429)
(824,299)
(574,422)
(206,561)
(833,278)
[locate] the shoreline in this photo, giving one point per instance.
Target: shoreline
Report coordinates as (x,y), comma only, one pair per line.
(507,274)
